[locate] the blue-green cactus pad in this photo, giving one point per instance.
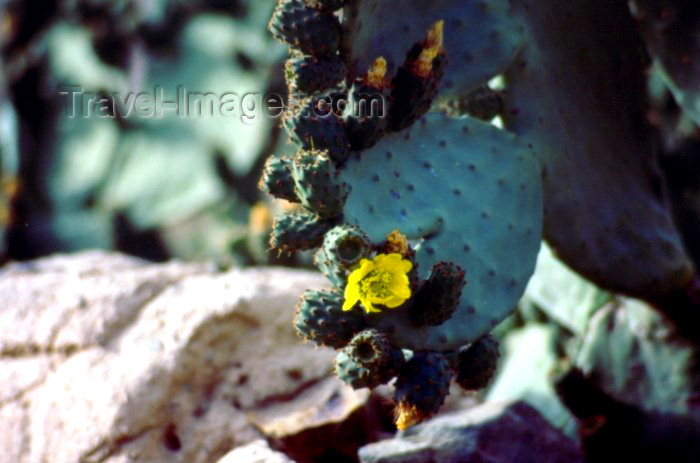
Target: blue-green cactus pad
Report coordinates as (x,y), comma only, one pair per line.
(471,194)
(480,37)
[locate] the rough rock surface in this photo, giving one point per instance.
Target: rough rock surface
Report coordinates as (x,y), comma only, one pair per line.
(257,451)
(327,422)
(488,433)
(105,358)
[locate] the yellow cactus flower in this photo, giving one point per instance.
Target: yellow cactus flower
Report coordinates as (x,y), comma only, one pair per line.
(382,281)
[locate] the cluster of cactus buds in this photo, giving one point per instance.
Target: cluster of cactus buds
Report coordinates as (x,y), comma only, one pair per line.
(380,276)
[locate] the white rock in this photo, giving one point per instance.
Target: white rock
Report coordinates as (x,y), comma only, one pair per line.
(114,359)
(256,452)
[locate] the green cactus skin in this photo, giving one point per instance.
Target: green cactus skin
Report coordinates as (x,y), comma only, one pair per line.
(277,179)
(605,212)
(482,103)
(320,318)
(423,383)
(366,121)
(316,183)
(412,96)
(355,375)
(313,128)
(481,38)
(477,364)
(372,350)
(342,249)
(438,298)
(310,30)
(298,231)
(485,216)
(368,360)
(310,74)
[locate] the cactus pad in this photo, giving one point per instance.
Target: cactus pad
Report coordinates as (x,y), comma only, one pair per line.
(468,193)
(605,211)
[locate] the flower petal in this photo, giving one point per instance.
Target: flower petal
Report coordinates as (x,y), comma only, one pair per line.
(359,273)
(395,301)
(350,300)
(369,308)
(395,291)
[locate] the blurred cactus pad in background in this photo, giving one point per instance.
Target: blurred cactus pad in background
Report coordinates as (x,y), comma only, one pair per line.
(504,195)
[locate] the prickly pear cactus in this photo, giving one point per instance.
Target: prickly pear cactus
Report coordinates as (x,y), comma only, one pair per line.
(428,226)
(576,100)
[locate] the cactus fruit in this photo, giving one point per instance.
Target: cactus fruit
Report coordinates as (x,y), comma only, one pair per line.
(368,360)
(421,388)
(477,364)
(366,118)
(342,249)
(310,74)
(319,318)
(355,375)
(315,126)
(316,183)
(277,179)
(297,231)
(438,298)
(417,81)
(310,30)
